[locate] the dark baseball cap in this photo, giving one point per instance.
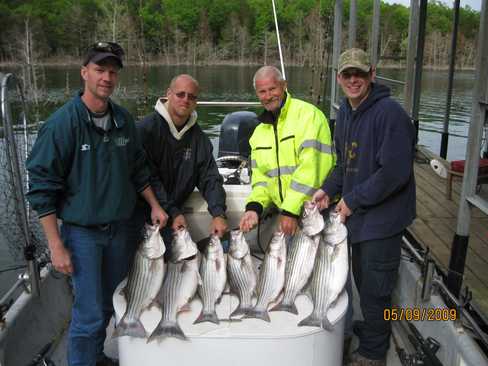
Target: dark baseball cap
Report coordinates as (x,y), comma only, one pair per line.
(101,50)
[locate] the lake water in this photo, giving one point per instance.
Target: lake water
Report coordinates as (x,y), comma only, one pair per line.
(234,83)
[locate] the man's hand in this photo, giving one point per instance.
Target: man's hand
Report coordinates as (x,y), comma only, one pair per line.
(343,210)
(248,221)
(218,226)
(321,199)
(179,222)
(288,225)
(61,258)
(159,216)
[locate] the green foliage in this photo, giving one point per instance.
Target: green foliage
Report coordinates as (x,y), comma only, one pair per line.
(221,29)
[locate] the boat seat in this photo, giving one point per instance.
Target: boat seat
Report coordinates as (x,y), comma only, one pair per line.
(456,169)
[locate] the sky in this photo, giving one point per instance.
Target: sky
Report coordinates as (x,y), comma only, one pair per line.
(475,4)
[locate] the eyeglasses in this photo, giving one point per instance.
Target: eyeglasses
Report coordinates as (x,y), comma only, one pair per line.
(349,73)
(182,95)
(111,47)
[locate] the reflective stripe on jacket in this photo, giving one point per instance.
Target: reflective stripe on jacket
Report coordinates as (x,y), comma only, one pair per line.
(290,158)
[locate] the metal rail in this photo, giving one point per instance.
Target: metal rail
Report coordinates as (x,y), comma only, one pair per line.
(432,279)
(391,81)
(12,156)
(228,104)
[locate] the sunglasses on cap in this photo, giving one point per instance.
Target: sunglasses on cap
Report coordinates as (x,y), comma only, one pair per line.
(182,95)
(349,73)
(111,47)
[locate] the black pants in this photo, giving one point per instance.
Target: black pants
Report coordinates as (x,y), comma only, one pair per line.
(375,267)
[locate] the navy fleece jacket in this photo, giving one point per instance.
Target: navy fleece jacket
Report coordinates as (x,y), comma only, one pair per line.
(374,170)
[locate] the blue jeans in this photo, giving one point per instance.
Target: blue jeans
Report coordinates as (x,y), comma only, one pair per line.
(101,257)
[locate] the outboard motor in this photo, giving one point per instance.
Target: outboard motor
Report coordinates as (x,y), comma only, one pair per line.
(234,149)
(235,131)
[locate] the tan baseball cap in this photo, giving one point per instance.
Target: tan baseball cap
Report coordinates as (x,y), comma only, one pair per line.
(354,58)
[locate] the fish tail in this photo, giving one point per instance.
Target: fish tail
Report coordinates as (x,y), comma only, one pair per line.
(241,310)
(132,329)
(258,314)
(291,308)
(167,329)
(326,324)
(311,321)
(207,317)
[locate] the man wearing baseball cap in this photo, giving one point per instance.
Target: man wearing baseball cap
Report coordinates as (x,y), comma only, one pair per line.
(86,168)
(375,146)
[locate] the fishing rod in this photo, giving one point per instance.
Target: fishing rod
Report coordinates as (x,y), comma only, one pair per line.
(279,41)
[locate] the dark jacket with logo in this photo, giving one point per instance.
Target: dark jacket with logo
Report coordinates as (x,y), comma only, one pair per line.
(86,175)
(178,166)
(374,170)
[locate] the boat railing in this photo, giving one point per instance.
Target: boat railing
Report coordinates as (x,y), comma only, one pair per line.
(18,181)
(433,283)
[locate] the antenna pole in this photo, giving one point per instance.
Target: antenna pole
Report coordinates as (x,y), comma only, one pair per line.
(279,42)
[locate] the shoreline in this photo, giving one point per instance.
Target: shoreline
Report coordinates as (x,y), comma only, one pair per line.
(73,62)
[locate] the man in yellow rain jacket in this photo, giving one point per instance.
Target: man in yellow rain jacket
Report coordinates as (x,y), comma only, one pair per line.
(291,152)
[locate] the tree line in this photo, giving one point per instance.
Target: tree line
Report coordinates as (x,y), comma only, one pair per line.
(218,31)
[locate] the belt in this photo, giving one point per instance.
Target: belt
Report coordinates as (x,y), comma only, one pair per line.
(101,227)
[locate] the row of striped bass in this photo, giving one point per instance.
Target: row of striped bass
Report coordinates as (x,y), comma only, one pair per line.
(330,273)
(143,282)
(179,287)
(240,271)
(271,278)
(182,246)
(214,278)
(301,257)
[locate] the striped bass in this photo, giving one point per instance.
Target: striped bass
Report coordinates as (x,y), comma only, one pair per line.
(182,246)
(312,220)
(271,277)
(143,282)
(299,266)
(240,272)
(179,287)
(214,277)
(330,273)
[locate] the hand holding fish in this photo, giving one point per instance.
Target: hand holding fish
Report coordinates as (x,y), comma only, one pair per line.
(159,216)
(343,210)
(248,221)
(179,222)
(218,226)
(321,199)
(288,224)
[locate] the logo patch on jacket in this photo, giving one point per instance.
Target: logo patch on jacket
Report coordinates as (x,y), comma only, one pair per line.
(85,147)
(187,153)
(122,141)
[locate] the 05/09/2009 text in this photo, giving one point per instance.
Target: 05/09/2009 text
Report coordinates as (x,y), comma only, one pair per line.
(420,314)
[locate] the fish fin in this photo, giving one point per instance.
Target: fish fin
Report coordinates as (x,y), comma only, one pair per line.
(185,307)
(278,299)
(167,329)
(258,314)
(311,321)
(326,324)
(291,308)
(241,310)
(133,329)
(207,317)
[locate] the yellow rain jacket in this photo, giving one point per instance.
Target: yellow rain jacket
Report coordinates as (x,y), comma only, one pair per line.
(290,158)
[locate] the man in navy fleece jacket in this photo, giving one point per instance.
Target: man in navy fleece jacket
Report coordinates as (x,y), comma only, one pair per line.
(374,142)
